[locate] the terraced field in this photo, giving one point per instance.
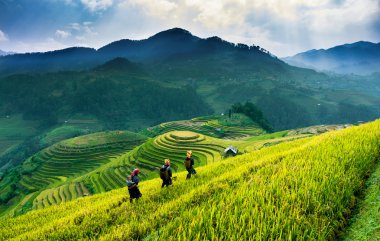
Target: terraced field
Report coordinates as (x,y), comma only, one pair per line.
(300,190)
(173,145)
(149,158)
(68,159)
(215,126)
(100,162)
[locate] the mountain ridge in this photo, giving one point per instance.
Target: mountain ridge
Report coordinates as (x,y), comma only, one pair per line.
(362,57)
(158,46)
(4,53)
(213,72)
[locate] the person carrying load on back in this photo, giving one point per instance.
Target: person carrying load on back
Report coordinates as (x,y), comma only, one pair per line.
(133,188)
(166,174)
(189,163)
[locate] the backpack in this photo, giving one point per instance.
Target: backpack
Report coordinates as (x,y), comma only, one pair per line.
(188,163)
(164,173)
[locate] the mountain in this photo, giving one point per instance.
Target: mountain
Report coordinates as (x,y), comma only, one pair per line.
(115,92)
(357,58)
(175,75)
(164,46)
(75,58)
(161,45)
(119,65)
(3,53)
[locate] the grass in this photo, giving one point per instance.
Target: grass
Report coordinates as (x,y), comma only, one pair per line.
(268,136)
(365,223)
(62,132)
(101,161)
(149,156)
(236,127)
(300,190)
(6,145)
(14,130)
(96,161)
(16,127)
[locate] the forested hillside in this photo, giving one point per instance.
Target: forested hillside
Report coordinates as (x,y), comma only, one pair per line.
(176,75)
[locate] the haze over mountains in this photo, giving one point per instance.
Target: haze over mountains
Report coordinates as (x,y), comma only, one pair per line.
(176,75)
(3,53)
(162,46)
(357,58)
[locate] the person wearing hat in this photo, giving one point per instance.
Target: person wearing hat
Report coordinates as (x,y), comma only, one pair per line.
(166,174)
(189,163)
(133,189)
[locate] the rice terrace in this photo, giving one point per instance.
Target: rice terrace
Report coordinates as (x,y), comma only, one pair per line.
(279,186)
(190,120)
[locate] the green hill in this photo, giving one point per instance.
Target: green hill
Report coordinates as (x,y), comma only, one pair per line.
(175,75)
(13,131)
(299,190)
(221,126)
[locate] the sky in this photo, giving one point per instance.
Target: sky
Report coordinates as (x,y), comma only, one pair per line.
(283,27)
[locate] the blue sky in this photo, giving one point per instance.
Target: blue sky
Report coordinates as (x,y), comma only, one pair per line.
(284,27)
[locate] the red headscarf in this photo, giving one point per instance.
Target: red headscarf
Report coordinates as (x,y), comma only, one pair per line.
(135,172)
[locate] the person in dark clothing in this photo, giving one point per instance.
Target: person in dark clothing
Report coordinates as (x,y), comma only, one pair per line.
(166,174)
(133,189)
(189,163)
(130,183)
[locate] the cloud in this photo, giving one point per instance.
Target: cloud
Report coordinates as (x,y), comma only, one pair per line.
(48,44)
(97,5)
(3,36)
(283,27)
(156,8)
(83,28)
(286,27)
(76,32)
(69,2)
(80,38)
(88,29)
(75,26)
(62,34)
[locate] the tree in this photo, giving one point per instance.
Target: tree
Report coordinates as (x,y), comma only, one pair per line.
(253,112)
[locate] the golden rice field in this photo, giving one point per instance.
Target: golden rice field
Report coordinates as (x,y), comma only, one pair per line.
(112,173)
(299,190)
(60,163)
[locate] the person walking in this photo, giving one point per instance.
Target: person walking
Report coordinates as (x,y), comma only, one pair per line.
(133,187)
(166,174)
(130,183)
(189,163)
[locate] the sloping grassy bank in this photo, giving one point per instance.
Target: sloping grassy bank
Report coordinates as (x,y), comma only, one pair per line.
(300,190)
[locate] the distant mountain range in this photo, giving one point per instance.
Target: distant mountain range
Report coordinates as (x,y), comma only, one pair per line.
(176,75)
(357,58)
(164,46)
(3,53)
